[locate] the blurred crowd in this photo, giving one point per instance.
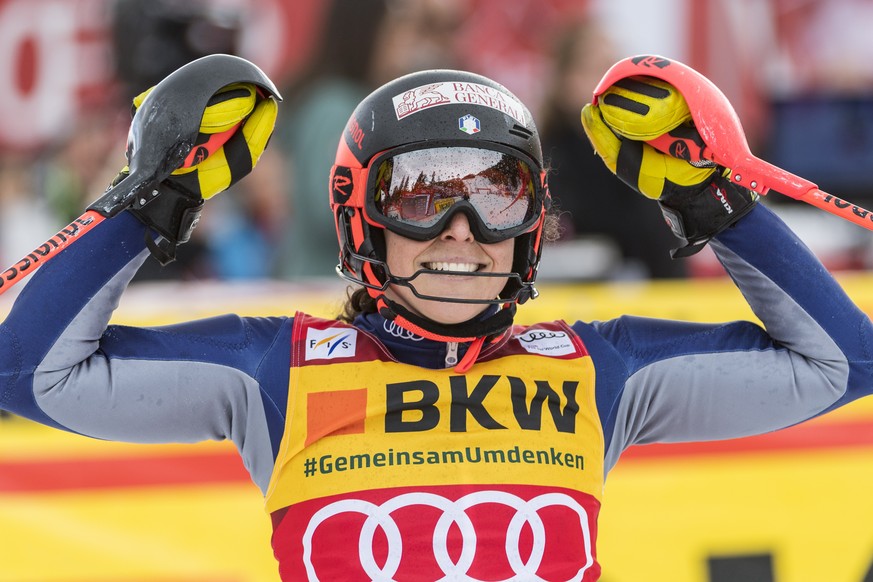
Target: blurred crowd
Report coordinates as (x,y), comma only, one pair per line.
(276,223)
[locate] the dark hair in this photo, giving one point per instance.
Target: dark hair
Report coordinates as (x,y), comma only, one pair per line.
(359,302)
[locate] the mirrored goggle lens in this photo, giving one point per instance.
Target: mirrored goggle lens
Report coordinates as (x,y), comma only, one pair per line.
(418,188)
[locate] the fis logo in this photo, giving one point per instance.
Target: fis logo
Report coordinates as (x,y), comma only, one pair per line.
(327,344)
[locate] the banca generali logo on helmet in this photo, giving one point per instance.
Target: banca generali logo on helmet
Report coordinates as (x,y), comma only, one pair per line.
(455,92)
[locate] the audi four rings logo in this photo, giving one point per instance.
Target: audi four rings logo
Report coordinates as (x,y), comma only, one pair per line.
(397,331)
(452,513)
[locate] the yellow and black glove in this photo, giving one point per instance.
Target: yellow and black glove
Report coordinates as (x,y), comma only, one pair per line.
(236,126)
(697,199)
(234,131)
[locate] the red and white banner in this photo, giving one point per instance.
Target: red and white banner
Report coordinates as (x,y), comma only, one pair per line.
(56,58)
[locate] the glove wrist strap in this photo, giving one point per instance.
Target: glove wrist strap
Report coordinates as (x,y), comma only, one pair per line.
(172,213)
(696,214)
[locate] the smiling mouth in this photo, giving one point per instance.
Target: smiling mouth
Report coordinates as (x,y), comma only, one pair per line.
(457,267)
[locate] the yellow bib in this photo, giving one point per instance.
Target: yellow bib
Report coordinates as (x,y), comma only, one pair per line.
(358,420)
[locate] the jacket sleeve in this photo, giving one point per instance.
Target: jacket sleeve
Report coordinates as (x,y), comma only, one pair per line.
(61,364)
(669,381)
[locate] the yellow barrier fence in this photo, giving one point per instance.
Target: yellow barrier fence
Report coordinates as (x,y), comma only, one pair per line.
(793,506)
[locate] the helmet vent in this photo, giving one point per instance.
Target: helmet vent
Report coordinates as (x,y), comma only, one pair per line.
(521,131)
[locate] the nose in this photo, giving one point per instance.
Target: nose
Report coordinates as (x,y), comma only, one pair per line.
(458,229)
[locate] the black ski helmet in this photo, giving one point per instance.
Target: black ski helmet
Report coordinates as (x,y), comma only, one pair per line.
(427,109)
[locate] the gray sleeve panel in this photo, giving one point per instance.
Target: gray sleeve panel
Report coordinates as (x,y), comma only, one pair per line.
(163,401)
(788,323)
(148,401)
(81,337)
(728,394)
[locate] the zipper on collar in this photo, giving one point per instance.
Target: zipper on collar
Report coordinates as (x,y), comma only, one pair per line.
(451,354)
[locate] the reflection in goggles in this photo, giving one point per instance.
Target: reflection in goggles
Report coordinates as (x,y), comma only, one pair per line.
(418,188)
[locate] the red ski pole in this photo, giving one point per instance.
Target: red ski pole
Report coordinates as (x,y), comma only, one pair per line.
(49,249)
(88,220)
(725,141)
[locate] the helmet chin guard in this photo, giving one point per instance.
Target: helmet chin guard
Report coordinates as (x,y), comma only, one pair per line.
(433,109)
(489,326)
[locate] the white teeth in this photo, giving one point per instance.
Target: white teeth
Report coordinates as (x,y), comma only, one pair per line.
(462,267)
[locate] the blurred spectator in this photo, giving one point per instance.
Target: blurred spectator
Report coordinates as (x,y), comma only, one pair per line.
(364,44)
(511,41)
(153,38)
(823,47)
(316,109)
(236,238)
(418,35)
(41,192)
(244,225)
(74,172)
(26,220)
(821,85)
(595,202)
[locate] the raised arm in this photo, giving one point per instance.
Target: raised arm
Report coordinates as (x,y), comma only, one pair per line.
(671,381)
(61,365)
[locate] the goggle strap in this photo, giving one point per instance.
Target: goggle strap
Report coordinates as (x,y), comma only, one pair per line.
(358,241)
(343,193)
(536,246)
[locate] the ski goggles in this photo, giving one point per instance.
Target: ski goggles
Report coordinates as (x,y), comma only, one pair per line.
(416,192)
